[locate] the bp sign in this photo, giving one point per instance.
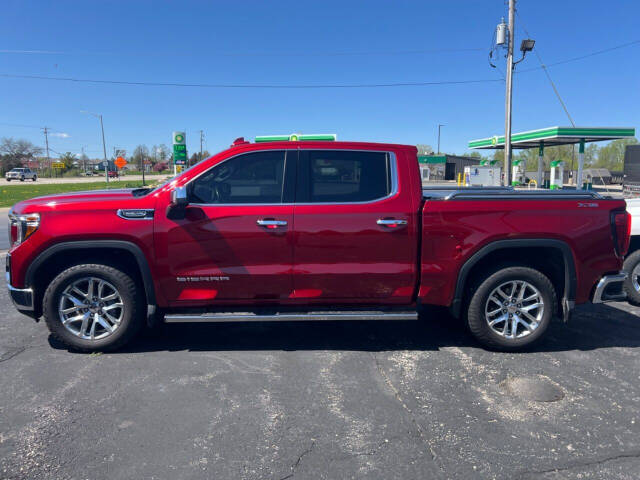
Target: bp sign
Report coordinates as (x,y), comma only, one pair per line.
(179,148)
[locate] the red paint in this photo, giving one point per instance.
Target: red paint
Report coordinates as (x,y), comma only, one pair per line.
(326,254)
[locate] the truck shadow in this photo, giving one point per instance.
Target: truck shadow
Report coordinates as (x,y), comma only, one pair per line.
(592,327)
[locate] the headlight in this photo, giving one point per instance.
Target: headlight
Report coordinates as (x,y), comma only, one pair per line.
(22,226)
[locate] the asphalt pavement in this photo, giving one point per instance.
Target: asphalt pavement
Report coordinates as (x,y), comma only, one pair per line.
(4,235)
(379,400)
(85,179)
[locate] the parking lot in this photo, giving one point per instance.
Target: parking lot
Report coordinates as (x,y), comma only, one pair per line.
(323,400)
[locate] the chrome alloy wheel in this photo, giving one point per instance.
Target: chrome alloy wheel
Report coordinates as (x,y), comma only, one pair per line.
(91,308)
(635,278)
(514,309)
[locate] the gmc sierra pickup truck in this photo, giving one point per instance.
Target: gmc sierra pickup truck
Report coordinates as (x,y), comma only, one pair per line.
(315,230)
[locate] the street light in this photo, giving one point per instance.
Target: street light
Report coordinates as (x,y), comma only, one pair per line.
(527,45)
(104,146)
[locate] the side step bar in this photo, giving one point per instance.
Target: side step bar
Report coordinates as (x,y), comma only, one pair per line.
(287,317)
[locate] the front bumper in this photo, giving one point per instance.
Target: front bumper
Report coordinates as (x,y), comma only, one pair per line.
(22,298)
(610,288)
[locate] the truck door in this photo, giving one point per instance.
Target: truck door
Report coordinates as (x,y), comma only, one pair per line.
(355,229)
(235,242)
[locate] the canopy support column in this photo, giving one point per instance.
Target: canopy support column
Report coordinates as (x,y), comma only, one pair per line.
(580,164)
(540,177)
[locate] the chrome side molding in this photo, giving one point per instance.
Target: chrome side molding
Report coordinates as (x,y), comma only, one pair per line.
(288,317)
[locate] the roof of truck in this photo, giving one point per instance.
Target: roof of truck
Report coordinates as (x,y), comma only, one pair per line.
(328,144)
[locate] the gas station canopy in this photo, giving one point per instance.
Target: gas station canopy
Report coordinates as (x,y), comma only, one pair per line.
(554,136)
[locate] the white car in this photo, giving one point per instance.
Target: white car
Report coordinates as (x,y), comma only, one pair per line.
(21,174)
(632,262)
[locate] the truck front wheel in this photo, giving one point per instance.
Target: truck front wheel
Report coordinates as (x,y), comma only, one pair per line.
(93,307)
(512,308)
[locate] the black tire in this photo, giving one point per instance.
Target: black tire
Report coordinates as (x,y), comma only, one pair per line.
(633,296)
(22,179)
(478,324)
(8,179)
(132,299)
(34,178)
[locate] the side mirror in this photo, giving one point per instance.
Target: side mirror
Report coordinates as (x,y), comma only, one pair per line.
(179,197)
(177,208)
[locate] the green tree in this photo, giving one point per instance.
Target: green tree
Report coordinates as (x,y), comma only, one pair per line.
(422,149)
(611,156)
(67,158)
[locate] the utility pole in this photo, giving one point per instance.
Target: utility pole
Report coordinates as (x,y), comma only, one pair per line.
(509,92)
(142,166)
(104,145)
(439,125)
(104,149)
(201,135)
(46,140)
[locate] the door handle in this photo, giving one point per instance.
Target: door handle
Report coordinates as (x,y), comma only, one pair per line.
(269,223)
(391,222)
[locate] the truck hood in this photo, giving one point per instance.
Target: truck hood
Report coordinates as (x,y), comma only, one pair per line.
(84,200)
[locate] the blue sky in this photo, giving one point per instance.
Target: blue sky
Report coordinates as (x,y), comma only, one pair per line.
(286,42)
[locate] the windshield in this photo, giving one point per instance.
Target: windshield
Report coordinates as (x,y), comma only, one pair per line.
(139,192)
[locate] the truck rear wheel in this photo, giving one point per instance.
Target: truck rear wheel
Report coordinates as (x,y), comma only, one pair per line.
(632,283)
(512,308)
(93,307)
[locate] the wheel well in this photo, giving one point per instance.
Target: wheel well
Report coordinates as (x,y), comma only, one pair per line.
(634,244)
(548,260)
(118,258)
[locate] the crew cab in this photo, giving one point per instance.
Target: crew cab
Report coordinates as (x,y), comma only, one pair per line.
(312,230)
(21,174)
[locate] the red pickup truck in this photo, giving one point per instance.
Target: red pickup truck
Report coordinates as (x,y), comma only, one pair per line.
(315,230)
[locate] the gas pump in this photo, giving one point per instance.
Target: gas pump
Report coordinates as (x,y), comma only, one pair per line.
(557,174)
(517,173)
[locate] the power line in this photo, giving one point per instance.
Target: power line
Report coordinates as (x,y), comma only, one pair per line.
(582,57)
(246,86)
(19,125)
(546,71)
(297,53)
(307,86)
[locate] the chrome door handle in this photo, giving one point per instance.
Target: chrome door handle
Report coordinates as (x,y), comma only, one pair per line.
(272,223)
(391,222)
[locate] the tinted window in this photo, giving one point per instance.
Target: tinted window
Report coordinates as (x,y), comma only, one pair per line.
(345,176)
(251,178)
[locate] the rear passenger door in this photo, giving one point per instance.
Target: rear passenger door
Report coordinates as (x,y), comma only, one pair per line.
(354,232)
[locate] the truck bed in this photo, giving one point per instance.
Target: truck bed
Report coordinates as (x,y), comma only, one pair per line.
(504,193)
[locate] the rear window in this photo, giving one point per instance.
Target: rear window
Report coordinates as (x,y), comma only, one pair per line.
(346,176)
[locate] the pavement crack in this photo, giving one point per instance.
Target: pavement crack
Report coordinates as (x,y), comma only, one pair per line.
(294,466)
(410,413)
(15,352)
(635,454)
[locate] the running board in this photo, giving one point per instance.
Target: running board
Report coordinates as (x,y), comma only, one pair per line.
(287,317)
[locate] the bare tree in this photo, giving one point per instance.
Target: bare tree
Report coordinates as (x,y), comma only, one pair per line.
(16,152)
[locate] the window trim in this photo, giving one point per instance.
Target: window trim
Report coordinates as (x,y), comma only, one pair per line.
(284,179)
(393,163)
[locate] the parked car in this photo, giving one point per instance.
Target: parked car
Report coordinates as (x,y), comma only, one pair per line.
(21,174)
(113,174)
(312,230)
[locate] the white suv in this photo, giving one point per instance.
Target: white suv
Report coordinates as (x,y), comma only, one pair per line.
(21,174)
